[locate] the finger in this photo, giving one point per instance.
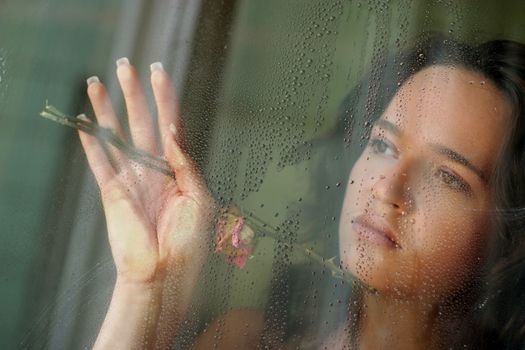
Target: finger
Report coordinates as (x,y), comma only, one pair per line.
(187,175)
(96,156)
(166,100)
(140,121)
(105,115)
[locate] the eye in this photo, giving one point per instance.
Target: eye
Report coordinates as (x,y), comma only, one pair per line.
(383,146)
(454,181)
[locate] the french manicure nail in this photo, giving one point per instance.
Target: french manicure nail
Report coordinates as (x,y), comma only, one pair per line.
(83,117)
(156,66)
(173,129)
(93,79)
(122,61)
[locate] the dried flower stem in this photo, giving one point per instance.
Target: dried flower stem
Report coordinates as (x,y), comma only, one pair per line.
(106,135)
(270,231)
(156,163)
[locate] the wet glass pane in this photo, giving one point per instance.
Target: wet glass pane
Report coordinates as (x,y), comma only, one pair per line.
(278,175)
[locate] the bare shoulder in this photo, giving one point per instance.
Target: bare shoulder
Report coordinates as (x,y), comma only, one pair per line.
(237,329)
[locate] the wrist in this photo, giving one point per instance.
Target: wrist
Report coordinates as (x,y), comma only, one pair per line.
(135,289)
(132,317)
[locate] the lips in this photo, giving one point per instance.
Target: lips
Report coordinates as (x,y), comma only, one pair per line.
(376,229)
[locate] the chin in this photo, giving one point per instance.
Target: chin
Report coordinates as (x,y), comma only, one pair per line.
(373,273)
(365,272)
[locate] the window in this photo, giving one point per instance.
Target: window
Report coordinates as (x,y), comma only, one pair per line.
(301,115)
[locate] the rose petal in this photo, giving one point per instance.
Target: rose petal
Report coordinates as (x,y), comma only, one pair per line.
(240,258)
(247,235)
(235,232)
(239,261)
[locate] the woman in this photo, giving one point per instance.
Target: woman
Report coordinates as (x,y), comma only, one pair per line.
(428,224)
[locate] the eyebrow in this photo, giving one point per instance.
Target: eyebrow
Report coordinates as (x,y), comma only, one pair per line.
(438,148)
(385,124)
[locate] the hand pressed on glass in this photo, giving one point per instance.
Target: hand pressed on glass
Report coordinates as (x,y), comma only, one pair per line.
(158,226)
(150,217)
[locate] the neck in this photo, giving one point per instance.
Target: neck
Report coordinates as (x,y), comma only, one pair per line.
(391,323)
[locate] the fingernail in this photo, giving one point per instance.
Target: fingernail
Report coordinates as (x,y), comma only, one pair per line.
(173,129)
(156,66)
(93,79)
(83,117)
(122,61)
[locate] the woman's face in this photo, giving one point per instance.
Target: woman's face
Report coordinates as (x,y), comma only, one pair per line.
(415,219)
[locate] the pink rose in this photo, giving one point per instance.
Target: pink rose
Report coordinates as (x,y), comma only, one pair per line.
(234,237)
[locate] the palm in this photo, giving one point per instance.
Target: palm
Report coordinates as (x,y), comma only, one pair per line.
(152,219)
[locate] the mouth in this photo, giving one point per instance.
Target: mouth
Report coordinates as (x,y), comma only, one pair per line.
(375,229)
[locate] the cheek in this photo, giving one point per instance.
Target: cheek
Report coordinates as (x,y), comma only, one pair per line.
(446,244)
(360,181)
(357,194)
(354,188)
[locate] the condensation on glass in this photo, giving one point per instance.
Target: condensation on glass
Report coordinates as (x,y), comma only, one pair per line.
(362,161)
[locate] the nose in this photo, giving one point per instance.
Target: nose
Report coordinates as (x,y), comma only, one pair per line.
(392,187)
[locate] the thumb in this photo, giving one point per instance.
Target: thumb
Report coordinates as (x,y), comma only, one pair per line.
(187,175)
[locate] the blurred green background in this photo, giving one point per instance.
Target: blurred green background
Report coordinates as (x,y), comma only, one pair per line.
(257,79)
